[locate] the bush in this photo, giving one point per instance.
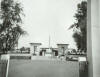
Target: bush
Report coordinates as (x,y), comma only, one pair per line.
(20,57)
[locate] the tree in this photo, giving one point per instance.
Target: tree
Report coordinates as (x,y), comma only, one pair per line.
(22,49)
(10,24)
(80,26)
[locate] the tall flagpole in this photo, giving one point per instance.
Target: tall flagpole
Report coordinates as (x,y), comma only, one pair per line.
(49,41)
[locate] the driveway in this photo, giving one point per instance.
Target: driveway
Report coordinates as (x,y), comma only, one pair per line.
(46,68)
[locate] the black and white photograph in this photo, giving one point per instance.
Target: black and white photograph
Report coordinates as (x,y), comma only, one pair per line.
(49,38)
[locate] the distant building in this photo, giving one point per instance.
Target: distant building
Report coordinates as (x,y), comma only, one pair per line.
(34,49)
(49,52)
(62,49)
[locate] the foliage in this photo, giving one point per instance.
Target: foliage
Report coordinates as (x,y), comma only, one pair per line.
(80,26)
(10,21)
(24,49)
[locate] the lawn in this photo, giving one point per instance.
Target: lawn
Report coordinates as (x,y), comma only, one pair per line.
(37,68)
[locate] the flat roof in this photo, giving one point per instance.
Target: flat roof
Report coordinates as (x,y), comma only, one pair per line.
(48,48)
(62,44)
(35,43)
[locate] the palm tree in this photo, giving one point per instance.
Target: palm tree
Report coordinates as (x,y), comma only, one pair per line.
(10,26)
(79,27)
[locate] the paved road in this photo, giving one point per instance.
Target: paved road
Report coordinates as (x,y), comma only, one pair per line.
(27,68)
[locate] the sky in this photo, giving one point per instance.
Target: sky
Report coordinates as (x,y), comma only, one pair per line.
(44,18)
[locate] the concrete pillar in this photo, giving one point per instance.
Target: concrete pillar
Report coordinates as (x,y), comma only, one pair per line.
(31,49)
(6,57)
(93,38)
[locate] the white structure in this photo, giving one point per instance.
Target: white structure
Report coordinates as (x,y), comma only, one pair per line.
(34,49)
(62,48)
(93,38)
(47,52)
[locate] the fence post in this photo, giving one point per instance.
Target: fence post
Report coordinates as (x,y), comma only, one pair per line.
(6,59)
(83,67)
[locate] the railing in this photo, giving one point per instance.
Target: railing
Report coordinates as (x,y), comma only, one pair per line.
(20,56)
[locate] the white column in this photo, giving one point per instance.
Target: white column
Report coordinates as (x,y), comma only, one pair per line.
(31,49)
(93,38)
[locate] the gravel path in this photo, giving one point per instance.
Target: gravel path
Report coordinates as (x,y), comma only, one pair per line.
(49,68)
